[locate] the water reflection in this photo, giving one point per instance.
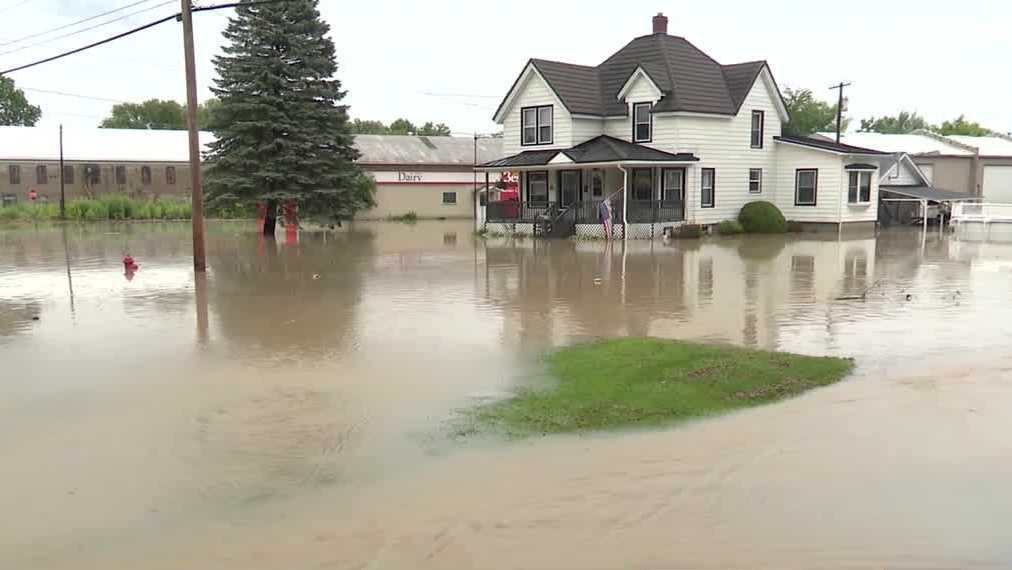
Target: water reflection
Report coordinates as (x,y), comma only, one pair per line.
(315,374)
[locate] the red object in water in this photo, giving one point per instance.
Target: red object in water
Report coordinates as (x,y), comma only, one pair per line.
(129,264)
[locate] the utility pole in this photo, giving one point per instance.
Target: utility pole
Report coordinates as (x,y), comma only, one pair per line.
(839,108)
(197,197)
(63,197)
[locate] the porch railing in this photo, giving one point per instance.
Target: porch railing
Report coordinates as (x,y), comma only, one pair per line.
(654,211)
(511,211)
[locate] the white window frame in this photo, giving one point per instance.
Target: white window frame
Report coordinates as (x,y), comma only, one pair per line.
(797,187)
(759,181)
(636,123)
(858,175)
(538,125)
(703,188)
(760,130)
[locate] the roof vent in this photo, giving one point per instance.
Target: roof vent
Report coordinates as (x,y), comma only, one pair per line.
(660,24)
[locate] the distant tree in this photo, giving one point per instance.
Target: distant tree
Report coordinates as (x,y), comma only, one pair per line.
(808,114)
(15,110)
(157,114)
(904,122)
(399,127)
(402,127)
(360,127)
(960,126)
(282,134)
(430,130)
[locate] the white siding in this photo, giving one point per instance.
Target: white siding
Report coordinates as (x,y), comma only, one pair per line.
(534,91)
(904,176)
(828,190)
(723,143)
(586,129)
(641,90)
(620,128)
(858,212)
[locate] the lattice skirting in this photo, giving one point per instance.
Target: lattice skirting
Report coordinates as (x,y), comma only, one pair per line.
(498,228)
(596,231)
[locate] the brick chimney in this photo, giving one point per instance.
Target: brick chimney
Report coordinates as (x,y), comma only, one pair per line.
(660,24)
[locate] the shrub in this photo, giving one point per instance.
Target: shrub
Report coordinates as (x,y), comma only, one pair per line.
(410,217)
(762,218)
(795,227)
(97,211)
(729,228)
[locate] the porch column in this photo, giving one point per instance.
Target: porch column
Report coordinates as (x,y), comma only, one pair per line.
(625,206)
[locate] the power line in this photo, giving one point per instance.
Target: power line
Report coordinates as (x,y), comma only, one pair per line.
(89,28)
(72,24)
(175,16)
(14,5)
(75,95)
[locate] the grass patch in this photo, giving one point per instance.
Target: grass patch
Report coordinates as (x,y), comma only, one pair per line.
(642,382)
(119,207)
(408,218)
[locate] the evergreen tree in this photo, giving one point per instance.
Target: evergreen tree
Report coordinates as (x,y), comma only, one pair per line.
(281,133)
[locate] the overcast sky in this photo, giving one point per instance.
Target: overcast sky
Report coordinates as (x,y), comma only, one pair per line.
(451,62)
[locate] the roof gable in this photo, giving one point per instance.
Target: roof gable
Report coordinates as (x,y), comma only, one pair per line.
(638,75)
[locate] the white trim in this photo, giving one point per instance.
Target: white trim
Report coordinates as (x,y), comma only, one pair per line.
(615,164)
(771,85)
(693,114)
(560,158)
(520,85)
(917,169)
(749,187)
(871,186)
(627,86)
(649,122)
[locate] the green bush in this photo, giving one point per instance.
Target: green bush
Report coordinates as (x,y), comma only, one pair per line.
(795,227)
(729,228)
(762,218)
(410,217)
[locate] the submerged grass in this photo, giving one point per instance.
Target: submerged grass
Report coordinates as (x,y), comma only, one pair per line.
(643,381)
(117,207)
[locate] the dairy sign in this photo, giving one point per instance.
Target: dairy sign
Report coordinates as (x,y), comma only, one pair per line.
(410,177)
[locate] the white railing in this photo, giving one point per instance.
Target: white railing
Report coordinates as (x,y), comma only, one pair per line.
(981,212)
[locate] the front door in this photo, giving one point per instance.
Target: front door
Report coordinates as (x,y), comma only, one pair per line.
(569,187)
(673,190)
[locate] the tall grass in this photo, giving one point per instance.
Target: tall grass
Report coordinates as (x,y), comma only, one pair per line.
(118,207)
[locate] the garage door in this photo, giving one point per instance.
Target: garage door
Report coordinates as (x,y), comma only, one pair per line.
(997,184)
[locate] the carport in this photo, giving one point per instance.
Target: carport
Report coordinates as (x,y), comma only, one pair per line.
(893,199)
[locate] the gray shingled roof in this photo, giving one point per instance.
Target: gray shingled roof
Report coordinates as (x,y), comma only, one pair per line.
(601,148)
(823,144)
(689,79)
(409,149)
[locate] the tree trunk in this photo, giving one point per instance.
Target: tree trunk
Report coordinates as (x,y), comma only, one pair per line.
(270,218)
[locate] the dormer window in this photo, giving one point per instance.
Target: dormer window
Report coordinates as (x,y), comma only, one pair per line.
(536,125)
(642,122)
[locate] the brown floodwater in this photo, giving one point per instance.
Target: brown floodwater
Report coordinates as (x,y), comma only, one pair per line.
(297,407)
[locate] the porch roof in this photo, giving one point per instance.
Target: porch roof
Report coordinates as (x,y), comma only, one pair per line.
(600,149)
(928,193)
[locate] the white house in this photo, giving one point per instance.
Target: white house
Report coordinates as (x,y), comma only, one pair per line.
(670,136)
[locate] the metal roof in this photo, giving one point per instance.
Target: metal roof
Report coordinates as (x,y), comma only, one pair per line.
(911,143)
(928,193)
(408,149)
(990,145)
(96,145)
(138,145)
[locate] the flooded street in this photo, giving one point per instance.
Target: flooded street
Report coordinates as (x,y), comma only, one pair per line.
(297,408)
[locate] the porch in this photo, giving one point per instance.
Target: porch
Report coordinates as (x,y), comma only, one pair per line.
(558,193)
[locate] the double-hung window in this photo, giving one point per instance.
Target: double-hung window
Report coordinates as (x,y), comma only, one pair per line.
(14,174)
(859,187)
(642,122)
(806,182)
(707,187)
(755,180)
(41,175)
(537,187)
(758,123)
(536,125)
